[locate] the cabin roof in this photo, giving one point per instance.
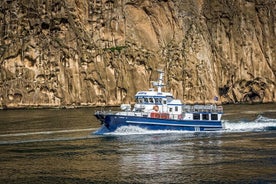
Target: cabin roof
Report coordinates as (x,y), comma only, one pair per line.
(153,94)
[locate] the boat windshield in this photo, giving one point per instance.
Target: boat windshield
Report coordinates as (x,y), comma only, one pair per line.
(148,100)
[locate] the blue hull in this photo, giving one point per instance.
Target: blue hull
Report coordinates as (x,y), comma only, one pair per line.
(112,122)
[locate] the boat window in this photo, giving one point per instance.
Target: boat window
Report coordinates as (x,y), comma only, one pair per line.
(160,100)
(164,101)
(151,100)
(157,100)
(205,116)
(214,116)
(139,100)
(169,98)
(170,109)
(146,100)
(196,116)
(176,108)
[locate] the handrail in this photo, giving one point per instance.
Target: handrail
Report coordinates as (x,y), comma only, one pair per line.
(203,108)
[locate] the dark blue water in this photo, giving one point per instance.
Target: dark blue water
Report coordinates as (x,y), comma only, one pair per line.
(56,146)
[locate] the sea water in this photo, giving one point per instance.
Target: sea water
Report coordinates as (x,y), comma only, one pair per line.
(58,146)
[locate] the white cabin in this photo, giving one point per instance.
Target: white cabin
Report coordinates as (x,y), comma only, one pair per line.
(158,104)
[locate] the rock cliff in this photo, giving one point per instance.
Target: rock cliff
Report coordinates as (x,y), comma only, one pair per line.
(100,52)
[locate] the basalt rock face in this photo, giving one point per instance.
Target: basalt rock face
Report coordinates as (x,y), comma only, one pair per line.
(100,52)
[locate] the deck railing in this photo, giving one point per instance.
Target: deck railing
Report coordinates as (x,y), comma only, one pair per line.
(202,108)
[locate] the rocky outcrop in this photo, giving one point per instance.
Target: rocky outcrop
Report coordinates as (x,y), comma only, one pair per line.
(100,52)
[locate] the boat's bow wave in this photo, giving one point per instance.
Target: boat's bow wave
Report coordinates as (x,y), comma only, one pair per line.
(129,130)
(261,123)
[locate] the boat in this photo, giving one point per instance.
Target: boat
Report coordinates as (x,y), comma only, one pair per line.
(158,110)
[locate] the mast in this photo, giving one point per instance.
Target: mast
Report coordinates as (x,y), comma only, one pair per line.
(160,81)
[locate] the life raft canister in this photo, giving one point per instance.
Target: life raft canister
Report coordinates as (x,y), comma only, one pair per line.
(156,108)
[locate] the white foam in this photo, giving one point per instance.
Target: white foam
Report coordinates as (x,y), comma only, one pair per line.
(261,123)
(135,130)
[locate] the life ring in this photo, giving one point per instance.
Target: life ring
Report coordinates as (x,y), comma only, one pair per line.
(156,108)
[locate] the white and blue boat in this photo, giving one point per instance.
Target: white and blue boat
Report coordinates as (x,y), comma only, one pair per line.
(157,110)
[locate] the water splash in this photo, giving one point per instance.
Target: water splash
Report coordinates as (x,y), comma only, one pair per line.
(261,123)
(134,130)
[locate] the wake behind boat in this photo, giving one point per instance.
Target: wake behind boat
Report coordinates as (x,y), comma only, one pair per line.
(157,110)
